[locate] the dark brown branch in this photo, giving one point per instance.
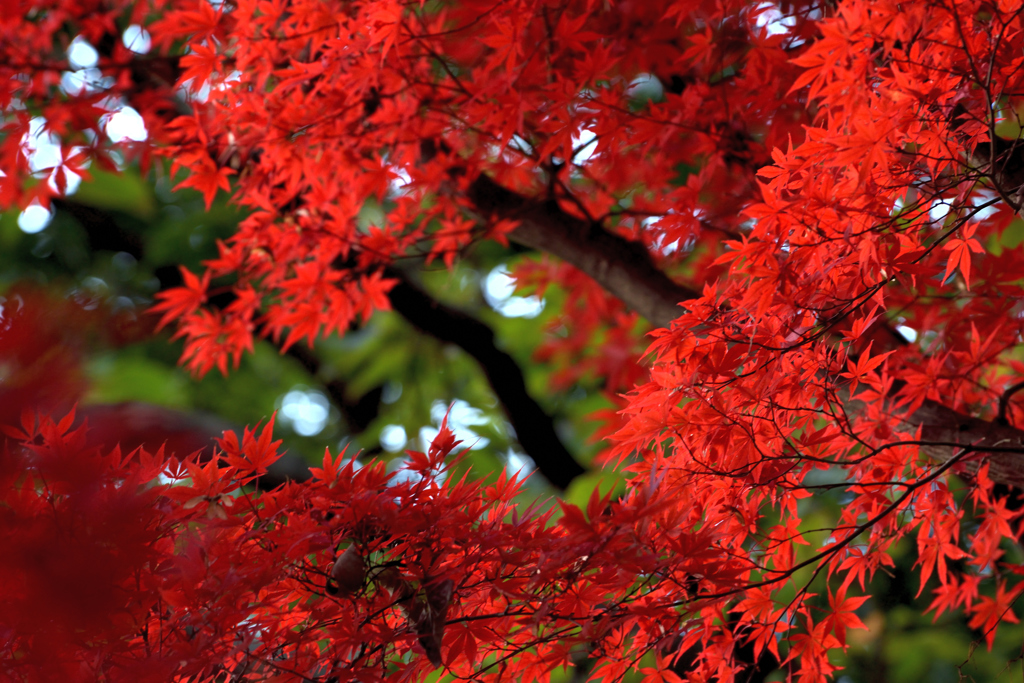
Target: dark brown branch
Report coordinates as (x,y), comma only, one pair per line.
(1004,402)
(621,266)
(626,271)
(535,429)
(944,425)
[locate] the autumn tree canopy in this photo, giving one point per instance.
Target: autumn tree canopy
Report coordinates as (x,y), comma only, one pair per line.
(789,242)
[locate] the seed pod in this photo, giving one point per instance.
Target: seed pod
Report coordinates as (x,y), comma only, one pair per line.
(391,579)
(430,622)
(348,571)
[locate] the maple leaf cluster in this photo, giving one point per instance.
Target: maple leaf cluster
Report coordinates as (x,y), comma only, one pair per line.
(781,196)
(140,566)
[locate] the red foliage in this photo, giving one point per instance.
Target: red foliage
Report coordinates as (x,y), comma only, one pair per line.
(816,179)
(121,567)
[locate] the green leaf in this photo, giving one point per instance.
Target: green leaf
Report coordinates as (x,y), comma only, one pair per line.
(127,193)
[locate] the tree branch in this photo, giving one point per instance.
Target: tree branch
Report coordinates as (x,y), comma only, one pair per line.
(625,270)
(941,424)
(623,267)
(535,429)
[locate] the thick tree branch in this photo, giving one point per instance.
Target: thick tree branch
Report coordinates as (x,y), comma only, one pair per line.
(626,271)
(944,425)
(621,266)
(535,429)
